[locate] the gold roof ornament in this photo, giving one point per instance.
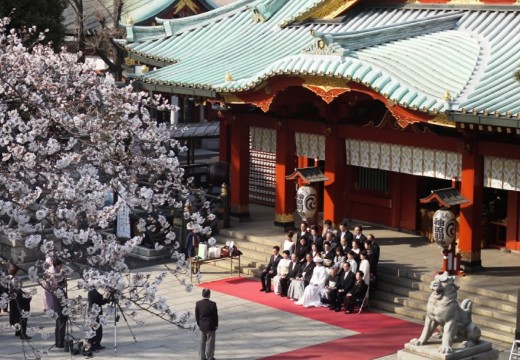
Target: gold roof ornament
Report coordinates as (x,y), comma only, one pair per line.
(228,77)
(130,20)
(144,69)
(447,96)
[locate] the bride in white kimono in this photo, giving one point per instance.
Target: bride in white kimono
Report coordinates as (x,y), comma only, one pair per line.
(311,295)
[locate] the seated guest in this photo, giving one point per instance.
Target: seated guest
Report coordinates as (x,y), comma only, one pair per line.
(364,266)
(316,238)
(346,281)
(302,248)
(294,268)
(270,270)
(357,294)
(297,286)
(339,258)
(281,271)
(330,285)
(351,258)
(288,243)
(311,294)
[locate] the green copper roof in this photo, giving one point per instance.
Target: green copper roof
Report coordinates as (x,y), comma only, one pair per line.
(139,11)
(433,59)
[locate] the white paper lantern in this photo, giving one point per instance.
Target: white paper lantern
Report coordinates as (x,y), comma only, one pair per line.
(306,198)
(444,227)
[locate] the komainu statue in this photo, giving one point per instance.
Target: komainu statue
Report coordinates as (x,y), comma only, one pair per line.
(443,310)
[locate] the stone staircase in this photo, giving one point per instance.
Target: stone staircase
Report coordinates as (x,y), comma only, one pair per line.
(400,291)
(406,293)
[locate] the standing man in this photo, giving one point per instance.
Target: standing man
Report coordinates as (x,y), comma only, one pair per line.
(206,315)
(270,270)
(95,298)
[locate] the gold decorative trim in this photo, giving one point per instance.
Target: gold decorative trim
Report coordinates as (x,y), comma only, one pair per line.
(284,218)
(240,209)
(326,83)
(329,9)
(442,120)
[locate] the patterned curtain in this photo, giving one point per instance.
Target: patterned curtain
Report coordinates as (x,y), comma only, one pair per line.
(404,159)
(310,145)
(502,173)
(263,139)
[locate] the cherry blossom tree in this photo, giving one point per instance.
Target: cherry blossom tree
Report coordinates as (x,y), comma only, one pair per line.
(69,140)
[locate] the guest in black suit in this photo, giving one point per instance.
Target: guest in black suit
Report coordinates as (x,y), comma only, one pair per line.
(360,237)
(304,232)
(346,281)
(294,269)
(206,315)
(357,294)
(302,248)
(344,233)
(373,253)
(316,238)
(328,253)
(270,270)
(306,269)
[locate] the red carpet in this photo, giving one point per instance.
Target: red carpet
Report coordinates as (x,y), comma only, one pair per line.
(380,335)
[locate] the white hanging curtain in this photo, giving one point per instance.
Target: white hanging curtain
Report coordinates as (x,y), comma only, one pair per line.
(310,145)
(502,173)
(263,139)
(404,159)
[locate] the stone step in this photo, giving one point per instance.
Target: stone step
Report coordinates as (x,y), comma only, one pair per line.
(242,236)
(492,302)
(490,312)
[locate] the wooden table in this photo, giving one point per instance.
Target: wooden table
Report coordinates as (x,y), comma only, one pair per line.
(195,264)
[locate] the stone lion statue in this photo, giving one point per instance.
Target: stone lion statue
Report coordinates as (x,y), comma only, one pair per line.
(443,310)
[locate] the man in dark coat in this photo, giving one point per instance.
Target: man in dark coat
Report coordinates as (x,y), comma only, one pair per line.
(346,281)
(270,270)
(306,269)
(95,298)
(206,315)
(294,269)
(20,302)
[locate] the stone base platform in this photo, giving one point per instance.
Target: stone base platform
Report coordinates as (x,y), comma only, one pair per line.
(144,253)
(482,351)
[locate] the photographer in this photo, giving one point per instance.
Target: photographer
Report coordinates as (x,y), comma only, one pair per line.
(95,298)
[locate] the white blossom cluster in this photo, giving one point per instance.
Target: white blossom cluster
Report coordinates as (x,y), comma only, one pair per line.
(67,136)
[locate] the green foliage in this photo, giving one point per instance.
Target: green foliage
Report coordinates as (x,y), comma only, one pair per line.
(44,14)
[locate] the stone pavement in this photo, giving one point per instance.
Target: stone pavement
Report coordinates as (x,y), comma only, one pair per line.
(247,330)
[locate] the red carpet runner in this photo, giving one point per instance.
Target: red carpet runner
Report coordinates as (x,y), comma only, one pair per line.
(380,335)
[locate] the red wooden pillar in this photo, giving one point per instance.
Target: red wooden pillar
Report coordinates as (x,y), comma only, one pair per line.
(285,189)
(472,188)
(513,220)
(335,167)
(239,153)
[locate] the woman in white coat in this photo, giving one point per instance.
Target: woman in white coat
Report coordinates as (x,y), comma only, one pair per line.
(311,295)
(364,266)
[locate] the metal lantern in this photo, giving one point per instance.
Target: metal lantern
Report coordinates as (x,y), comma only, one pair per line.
(444,227)
(306,199)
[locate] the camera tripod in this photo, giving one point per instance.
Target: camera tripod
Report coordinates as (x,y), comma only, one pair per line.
(115,304)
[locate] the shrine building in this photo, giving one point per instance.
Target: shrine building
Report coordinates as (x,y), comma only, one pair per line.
(391,99)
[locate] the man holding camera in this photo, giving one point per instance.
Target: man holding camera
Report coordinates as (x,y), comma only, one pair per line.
(95,298)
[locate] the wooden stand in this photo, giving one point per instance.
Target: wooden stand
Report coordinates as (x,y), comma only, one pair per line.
(196,263)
